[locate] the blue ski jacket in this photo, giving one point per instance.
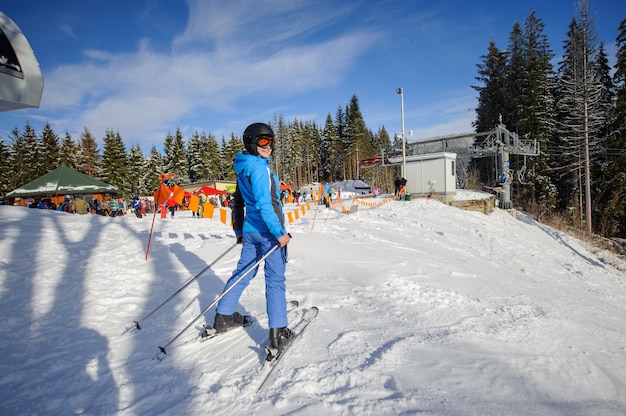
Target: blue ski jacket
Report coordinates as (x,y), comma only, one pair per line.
(258,191)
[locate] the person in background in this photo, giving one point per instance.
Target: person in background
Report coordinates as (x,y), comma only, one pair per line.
(171,204)
(259,230)
(66,205)
(114,207)
(203,200)
(402,190)
(80,206)
(327,192)
(137,206)
(45,204)
(99,207)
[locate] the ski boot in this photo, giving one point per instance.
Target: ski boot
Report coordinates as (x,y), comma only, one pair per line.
(223,323)
(280,337)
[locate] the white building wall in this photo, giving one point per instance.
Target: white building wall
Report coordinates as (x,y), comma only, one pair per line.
(433,171)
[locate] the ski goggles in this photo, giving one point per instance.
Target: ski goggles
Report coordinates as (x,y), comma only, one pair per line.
(265,141)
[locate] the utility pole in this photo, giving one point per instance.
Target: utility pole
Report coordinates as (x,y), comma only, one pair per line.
(401,92)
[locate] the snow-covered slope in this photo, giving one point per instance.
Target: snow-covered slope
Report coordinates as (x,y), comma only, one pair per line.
(424,309)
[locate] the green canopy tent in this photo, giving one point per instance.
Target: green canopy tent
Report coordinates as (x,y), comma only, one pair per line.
(60,182)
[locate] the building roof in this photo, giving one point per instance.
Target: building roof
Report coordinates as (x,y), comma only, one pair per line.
(63,180)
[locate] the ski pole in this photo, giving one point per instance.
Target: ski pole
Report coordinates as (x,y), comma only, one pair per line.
(161,354)
(136,324)
(150,236)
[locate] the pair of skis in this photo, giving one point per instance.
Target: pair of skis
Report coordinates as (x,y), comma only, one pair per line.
(273,356)
(163,349)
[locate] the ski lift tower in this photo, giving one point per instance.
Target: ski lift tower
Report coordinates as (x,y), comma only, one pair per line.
(503,143)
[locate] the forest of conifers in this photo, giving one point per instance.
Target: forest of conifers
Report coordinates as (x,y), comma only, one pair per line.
(575,109)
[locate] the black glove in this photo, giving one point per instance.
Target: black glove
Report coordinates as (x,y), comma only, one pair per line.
(239,239)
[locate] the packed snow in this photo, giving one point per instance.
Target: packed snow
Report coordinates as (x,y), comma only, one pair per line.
(424,309)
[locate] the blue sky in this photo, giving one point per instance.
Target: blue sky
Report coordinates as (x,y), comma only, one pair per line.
(147,67)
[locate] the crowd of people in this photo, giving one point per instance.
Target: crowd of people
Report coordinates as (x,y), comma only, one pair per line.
(112,207)
(143,206)
(140,206)
(312,195)
(77,205)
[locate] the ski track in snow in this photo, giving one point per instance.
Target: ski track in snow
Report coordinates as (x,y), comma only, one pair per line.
(424,309)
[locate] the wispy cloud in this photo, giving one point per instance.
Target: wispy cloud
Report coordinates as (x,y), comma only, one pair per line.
(67,29)
(228,52)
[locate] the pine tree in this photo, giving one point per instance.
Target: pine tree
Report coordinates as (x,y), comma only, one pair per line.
(310,154)
(204,158)
(281,164)
(5,169)
(229,149)
(536,111)
(607,88)
(50,151)
(24,155)
(175,159)
(17,160)
(32,142)
(618,129)
(492,101)
(313,139)
(612,221)
(382,175)
(114,162)
(68,152)
(382,142)
(168,151)
(225,164)
(212,154)
(338,147)
(360,145)
(195,159)
(492,94)
(149,175)
(327,138)
(580,115)
(136,173)
(295,152)
(516,79)
(88,161)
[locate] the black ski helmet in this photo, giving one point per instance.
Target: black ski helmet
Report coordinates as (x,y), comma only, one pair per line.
(252,132)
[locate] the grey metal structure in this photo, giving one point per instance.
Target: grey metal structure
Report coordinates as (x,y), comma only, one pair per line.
(499,143)
(502,143)
(21,81)
(500,139)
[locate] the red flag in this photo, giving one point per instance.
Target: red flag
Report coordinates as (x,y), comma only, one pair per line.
(194,203)
(161,195)
(179,194)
